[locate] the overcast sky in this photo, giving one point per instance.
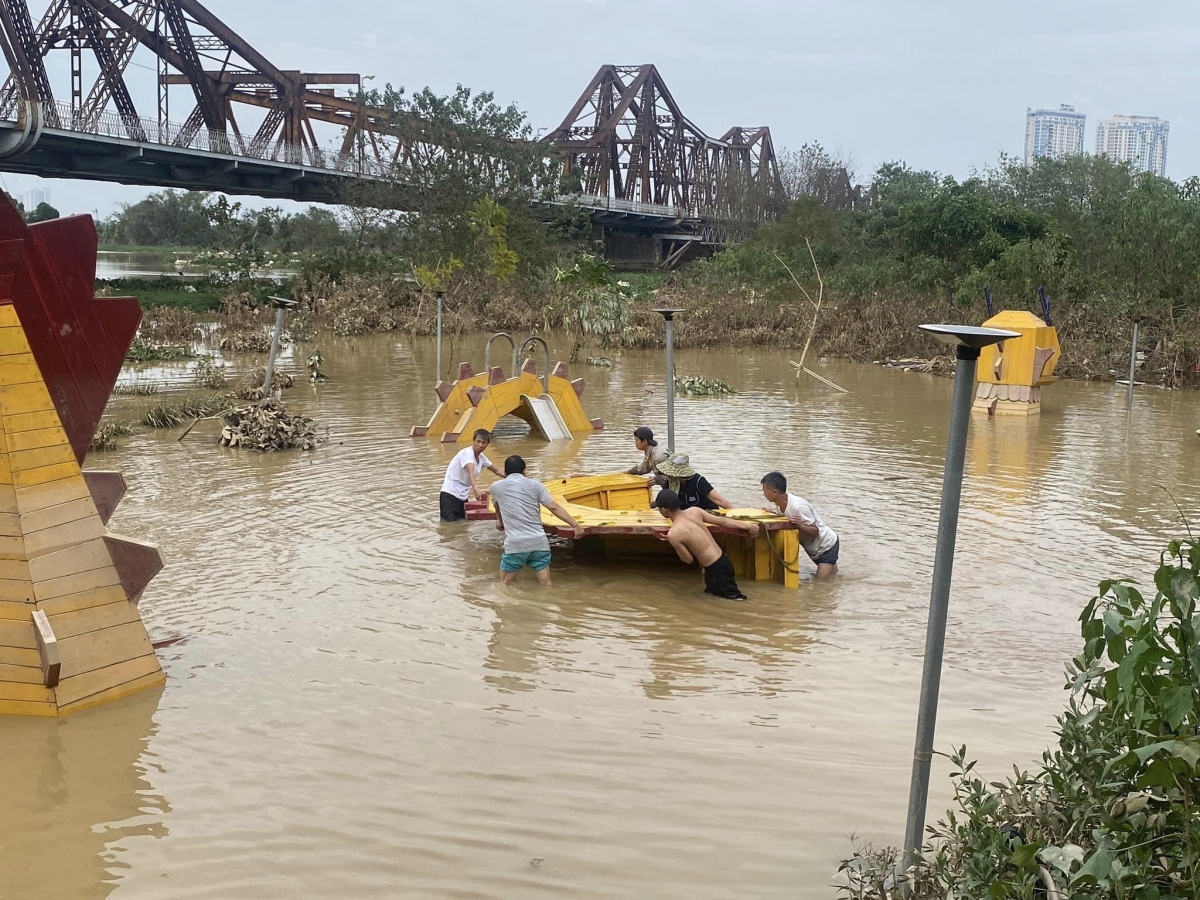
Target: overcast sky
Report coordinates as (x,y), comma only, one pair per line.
(939,84)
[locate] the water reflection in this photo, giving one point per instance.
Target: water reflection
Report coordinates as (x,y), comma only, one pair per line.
(75,793)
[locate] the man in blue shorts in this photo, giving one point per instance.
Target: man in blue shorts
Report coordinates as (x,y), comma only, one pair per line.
(519,501)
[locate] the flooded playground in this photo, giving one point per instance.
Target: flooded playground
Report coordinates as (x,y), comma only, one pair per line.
(357,708)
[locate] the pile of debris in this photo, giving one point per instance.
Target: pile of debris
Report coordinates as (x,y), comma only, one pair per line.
(939,365)
(267,427)
(251,387)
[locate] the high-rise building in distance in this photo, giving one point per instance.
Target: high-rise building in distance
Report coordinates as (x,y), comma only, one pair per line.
(32,197)
(1053,132)
(1141,140)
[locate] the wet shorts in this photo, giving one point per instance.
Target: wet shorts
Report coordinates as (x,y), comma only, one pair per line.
(536,560)
(830,556)
(451,508)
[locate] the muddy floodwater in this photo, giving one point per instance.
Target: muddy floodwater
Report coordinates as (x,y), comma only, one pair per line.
(358,709)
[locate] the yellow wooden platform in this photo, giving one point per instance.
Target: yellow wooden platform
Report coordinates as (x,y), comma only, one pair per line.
(70,635)
(614,511)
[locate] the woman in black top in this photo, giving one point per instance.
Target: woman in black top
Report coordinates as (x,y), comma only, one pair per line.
(693,489)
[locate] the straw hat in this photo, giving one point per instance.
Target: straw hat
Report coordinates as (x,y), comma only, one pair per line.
(676,466)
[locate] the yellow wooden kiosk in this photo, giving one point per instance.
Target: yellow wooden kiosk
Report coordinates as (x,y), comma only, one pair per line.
(614,511)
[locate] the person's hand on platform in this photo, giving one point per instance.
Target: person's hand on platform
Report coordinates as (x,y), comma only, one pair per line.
(661,534)
(651,478)
(578,532)
(499,525)
(753,529)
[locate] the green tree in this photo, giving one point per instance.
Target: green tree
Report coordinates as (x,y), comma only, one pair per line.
(43,213)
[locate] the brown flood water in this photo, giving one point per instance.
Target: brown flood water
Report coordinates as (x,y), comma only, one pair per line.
(360,710)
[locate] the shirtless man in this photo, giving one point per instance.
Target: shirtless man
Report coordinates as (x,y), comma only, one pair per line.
(692,541)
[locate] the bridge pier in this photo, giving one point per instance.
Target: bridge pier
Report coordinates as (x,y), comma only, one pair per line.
(634,249)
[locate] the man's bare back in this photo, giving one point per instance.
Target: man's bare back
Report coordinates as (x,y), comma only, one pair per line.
(691,538)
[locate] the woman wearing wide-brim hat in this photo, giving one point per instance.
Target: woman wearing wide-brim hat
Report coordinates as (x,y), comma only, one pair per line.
(693,488)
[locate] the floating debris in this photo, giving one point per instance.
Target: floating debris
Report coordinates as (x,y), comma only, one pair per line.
(251,387)
(106,435)
(702,385)
(267,427)
(938,365)
(602,362)
(314,367)
(184,409)
(170,323)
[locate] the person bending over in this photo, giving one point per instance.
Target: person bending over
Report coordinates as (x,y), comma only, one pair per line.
(652,455)
(461,479)
(692,540)
(519,501)
(819,541)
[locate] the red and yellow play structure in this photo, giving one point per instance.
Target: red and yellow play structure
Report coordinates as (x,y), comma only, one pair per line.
(1012,373)
(70,633)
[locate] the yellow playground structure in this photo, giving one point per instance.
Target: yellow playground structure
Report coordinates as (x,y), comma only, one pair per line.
(614,511)
(1011,374)
(551,404)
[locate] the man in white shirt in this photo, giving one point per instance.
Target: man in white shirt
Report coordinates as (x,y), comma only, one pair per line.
(519,501)
(819,541)
(461,477)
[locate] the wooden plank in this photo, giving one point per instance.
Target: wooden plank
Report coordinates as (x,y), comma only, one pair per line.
(12,339)
(40,457)
(48,648)
(20,690)
(21,674)
(14,593)
(100,649)
(78,687)
(12,548)
(14,372)
(84,558)
(21,656)
(69,534)
(53,516)
(45,474)
(10,525)
(16,399)
(41,496)
(32,421)
(37,438)
(8,498)
(84,621)
(14,569)
(53,588)
(17,634)
(83,600)
(153,679)
(8,315)
(27,708)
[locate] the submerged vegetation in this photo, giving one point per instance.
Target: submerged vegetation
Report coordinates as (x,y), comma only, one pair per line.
(1114,810)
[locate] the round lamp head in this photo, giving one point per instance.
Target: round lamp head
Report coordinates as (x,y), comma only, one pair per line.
(969,339)
(666,312)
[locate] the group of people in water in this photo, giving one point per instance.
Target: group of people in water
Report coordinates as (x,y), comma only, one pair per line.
(685,498)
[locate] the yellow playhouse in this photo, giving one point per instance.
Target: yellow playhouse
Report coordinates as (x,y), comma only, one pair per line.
(1011,374)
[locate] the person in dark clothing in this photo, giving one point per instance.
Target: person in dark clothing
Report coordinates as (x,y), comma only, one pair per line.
(692,488)
(690,537)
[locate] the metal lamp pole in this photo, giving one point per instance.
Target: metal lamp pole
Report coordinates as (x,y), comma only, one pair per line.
(439,334)
(669,317)
(282,305)
(1132,364)
(968,341)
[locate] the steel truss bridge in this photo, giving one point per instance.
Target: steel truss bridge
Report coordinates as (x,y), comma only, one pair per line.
(653,183)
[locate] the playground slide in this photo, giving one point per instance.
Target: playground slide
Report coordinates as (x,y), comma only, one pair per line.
(547,418)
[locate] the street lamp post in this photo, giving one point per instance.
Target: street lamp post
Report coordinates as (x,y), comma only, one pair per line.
(1137,320)
(439,294)
(669,317)
(282,305)
(968,341)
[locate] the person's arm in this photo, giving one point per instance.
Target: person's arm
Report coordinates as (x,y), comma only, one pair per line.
(495,470)
(565,516)
(726,522)
(470,467)
(719,499)
(499,519)
(680,548)
(807,531)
